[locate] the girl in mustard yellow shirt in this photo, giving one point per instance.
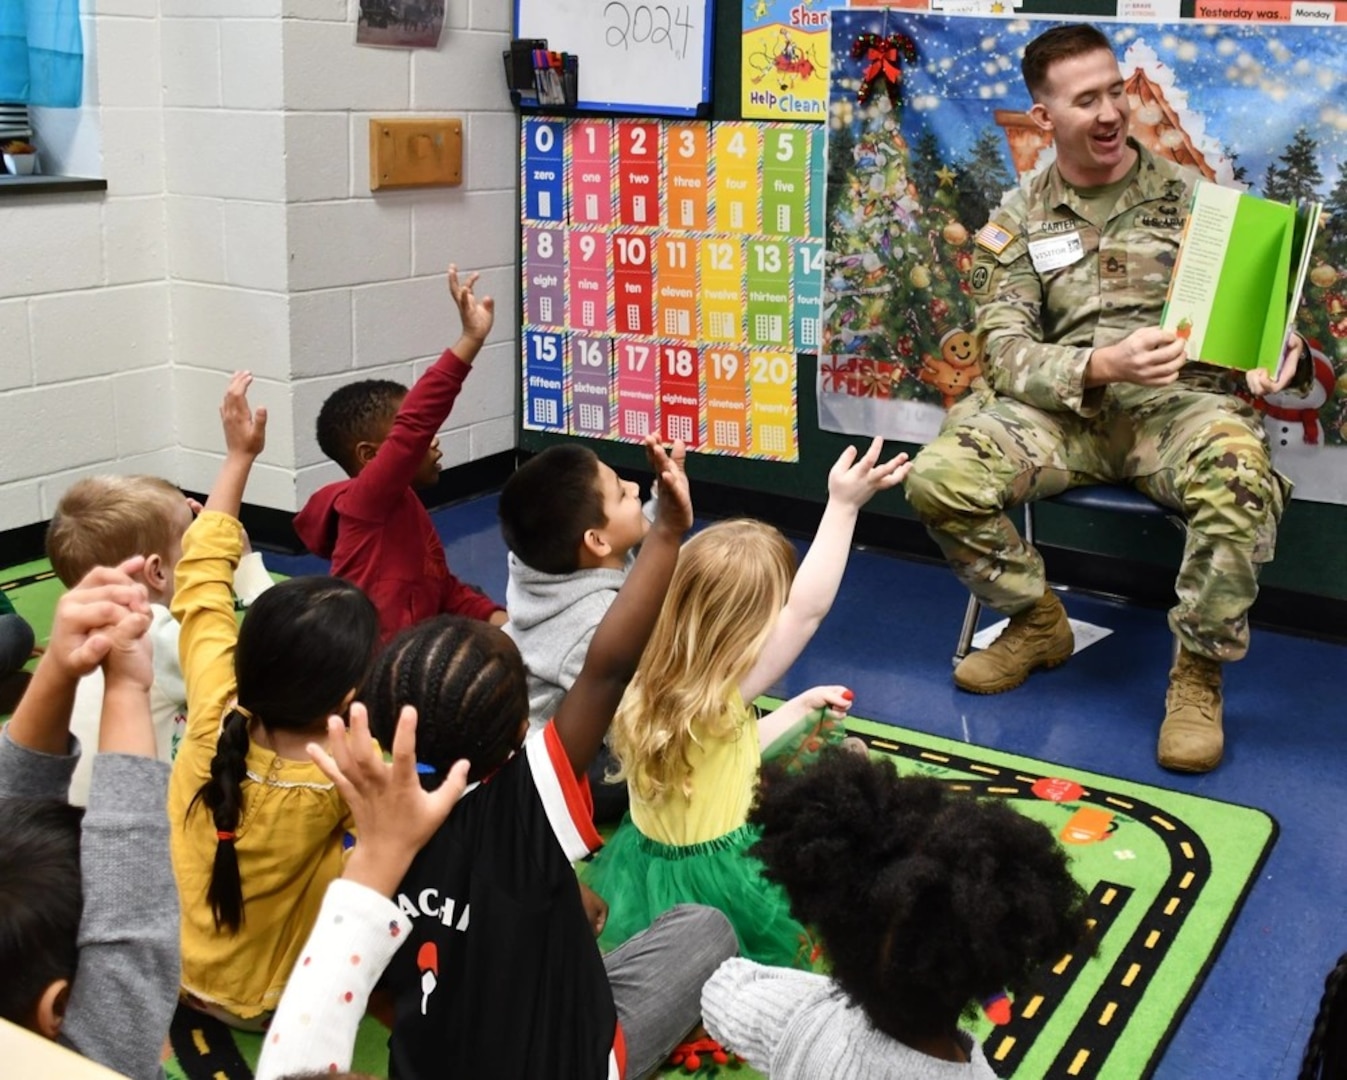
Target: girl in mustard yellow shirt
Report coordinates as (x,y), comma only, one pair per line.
(257,828)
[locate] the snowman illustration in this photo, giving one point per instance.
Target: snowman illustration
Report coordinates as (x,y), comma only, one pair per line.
(1291,417)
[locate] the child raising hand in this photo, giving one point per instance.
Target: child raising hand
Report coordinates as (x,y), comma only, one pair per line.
(90,952)
(686,735)
(256,826)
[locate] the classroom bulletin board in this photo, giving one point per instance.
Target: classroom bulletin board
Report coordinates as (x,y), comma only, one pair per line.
(671,273)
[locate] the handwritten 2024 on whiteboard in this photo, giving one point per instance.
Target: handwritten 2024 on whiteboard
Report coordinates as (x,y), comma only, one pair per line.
(635,56)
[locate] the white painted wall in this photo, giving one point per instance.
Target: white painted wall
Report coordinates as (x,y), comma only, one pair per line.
(238,230)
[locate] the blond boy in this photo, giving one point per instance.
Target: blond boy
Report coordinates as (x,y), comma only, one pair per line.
(102,521)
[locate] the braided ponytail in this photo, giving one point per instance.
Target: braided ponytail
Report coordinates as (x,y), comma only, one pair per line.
(223,797)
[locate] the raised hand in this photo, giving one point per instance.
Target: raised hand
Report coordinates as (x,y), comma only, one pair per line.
(673,509)
(92,618)
(477,316)
(245,429)
(394,816)
(854,480)
(105,607)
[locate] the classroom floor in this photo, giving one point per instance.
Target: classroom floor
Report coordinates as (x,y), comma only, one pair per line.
(889,637)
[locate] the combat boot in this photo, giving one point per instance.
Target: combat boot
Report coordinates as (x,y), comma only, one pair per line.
(1038,637)
(1190,738)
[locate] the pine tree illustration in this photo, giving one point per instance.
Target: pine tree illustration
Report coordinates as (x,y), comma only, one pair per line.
(1295,174)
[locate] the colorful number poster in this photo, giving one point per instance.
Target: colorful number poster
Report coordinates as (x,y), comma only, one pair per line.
(672,270)
(587,280)
(726,401)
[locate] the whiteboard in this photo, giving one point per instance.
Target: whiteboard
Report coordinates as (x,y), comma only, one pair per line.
(639,56)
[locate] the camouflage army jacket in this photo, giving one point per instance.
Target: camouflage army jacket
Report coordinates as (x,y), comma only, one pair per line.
(1061,285)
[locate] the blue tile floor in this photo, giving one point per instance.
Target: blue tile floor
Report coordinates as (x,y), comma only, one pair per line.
(889,637)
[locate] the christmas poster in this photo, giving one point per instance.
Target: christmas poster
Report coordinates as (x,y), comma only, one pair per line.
(928,129)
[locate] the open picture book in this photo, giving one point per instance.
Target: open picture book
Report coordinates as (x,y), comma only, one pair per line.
(1240,271)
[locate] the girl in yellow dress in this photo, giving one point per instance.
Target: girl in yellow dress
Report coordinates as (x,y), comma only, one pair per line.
(686,737)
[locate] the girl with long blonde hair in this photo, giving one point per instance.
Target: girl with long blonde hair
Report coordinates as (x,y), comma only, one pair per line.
(686,737)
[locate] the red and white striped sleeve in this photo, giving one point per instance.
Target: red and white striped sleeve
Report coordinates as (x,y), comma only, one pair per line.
(566,798)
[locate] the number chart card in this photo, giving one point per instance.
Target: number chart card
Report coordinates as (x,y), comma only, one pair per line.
(544,381)
(545,273)
(591,172)
(544,157)
(638,187)
(637,388)
(672,270)
(592,406)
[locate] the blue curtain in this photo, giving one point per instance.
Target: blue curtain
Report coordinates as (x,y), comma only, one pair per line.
(41,52)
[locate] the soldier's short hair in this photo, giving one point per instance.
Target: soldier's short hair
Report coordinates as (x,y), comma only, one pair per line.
(1060,43)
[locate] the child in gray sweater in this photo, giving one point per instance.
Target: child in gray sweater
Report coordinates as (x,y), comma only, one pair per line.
(571,524)
(89,910)
(894,874)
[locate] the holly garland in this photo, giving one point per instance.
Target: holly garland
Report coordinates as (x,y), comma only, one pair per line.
(882,55)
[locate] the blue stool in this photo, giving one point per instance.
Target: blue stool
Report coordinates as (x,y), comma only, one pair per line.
(1111,497)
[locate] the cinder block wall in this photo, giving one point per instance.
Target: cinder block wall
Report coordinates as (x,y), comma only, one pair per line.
(238,230)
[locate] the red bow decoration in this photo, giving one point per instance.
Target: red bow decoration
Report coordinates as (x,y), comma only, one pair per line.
(883,55)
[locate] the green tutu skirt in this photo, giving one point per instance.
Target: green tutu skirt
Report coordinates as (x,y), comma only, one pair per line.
(641,879)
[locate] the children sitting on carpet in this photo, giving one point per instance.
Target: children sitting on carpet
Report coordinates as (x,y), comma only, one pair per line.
(500,974)
(88,910)
(100,521)
(572,526)
(315,1027)
(373,526)
(257,828)
(686,734)
(928,903)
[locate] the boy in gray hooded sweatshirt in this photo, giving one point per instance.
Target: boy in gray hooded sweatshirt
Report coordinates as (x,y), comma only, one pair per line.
(571,524)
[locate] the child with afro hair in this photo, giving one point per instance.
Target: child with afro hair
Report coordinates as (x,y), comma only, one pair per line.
(927,901)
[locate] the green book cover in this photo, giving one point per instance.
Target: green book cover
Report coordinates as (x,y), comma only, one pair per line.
(1237,282)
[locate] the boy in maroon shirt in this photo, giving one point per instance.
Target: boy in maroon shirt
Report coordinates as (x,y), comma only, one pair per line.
(372,526)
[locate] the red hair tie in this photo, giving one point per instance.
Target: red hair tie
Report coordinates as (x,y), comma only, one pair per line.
(223,836)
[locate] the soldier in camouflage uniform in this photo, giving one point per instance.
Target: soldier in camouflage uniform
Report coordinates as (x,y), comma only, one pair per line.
(1082,386)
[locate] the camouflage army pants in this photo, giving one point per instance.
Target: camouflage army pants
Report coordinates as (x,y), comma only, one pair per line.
(1202,453)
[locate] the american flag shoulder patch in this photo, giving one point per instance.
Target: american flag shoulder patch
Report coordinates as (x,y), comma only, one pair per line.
(994,238)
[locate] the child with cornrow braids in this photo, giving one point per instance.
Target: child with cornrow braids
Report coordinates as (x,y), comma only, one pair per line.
(498,973)
(257,828)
